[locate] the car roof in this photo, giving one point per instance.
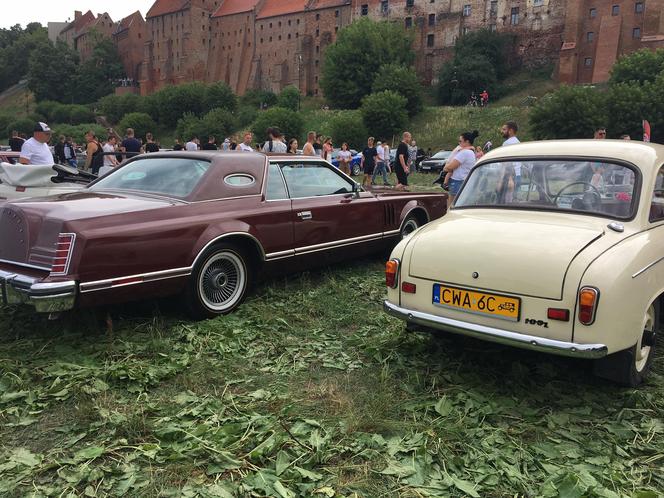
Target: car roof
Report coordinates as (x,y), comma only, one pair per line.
(644,155)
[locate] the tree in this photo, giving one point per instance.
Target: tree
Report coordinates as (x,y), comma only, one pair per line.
(51,72)
(289,98)
(98,76)
(220,96)
(402,80)
(289,122)
(16,47)
(639,67)
(458,79)
(352,62)
(493,46)
(384,114)
(259,99)
(170,103)
(219,123)
(114,107)
(141,122)
(569,112)
(626,107)
(348,126)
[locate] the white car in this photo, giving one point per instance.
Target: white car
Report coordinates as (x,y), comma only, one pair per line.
(566,258)
(21,180)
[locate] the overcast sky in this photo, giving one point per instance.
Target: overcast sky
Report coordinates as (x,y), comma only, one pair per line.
(43,11)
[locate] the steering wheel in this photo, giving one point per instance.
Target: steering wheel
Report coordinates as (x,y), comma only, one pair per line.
(596,203)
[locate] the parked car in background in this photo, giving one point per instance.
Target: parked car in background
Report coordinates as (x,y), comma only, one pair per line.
(7,156)
(567,259)
(205,224)
(19,180)
(435,163)
(354,163)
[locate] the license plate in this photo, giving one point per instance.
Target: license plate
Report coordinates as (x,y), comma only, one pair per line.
(481,303)
(426,167)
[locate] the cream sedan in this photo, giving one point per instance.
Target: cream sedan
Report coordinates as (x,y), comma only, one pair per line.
(552,246)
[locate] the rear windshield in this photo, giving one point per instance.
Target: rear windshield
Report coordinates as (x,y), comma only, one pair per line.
(601,188)
(170,176)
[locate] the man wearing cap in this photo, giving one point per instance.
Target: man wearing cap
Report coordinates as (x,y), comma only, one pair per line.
(35,150)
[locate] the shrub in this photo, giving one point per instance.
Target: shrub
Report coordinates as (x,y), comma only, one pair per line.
(141,122)
(626,107)
(46,108)
(114,107)
(220,96)
(569,112)
(246,115)
(402,80)
(289,123)
(348,126)
(22,125)
(218,122)
(259,99)
(639,67)
(80,114)
(384,114)
(77,132)
(172,102)
(289,98)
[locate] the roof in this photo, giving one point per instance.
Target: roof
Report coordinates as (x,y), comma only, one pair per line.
(163,7)
(230,7)
(273,8)
(81,22)
(126,23)
(326,4)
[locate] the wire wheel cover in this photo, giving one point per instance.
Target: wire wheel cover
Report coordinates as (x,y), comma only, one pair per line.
(408,228)
(222,280)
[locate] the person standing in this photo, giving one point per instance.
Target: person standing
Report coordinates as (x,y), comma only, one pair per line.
(70,153)
(345,157)
(109,149)
(274,142)
(150,144)
(401,167)
(368,162)
(130,144)
(509,131)
(484,96)
(381,165)
(318,147)
(177,145)
(412,156)
(292,146)
(191,145)
(461,164)
(327,150)
(94,158)
(16,142)
(600,133)
(35,151)
(59,150)
(245,146)
(309,148)
(211,144)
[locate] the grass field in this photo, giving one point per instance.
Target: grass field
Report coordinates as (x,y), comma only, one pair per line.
(310,390)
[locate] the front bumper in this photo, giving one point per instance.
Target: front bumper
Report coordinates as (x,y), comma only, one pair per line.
(561,348)
(46,297)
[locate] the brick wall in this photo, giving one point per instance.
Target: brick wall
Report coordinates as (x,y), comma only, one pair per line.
(129,38)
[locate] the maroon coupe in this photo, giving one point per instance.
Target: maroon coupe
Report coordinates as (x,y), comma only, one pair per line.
(203,223)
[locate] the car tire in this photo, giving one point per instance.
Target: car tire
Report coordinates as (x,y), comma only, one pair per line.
(219,282)
(355,169)
(631,367)
(409,225)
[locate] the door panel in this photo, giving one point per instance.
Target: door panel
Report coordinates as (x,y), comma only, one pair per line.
(275,225)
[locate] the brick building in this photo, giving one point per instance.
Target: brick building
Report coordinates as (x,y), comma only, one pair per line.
(88,37)
(598,32)
(129,37)
(72,30)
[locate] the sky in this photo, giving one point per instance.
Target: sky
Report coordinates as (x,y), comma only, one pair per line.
(43,11)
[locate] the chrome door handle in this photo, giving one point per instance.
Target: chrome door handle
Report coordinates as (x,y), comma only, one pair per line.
(304,215)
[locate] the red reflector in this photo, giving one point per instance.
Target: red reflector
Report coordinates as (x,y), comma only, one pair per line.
(20,189)
(125,281)
(408,287)
(558,314)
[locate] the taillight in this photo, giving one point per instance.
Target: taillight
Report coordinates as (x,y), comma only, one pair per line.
(408,287)
(63,252)
(391,273)
(588,298)
(558,314)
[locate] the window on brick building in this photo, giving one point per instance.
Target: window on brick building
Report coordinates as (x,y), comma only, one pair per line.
(429,40)
(317,32)
(538,3)
(638,7)
(590,36)
(465,30)
(261,40)
(270,25)
(492,28)
(317,17)
(364,10)
(592,13)
(408,22)
(410,3)
(336,13)
(432,19)
(384,7)
(279,38)
(289,22)
(514,16)
(270,38)
(336,28)
(493,9)
(636,33)
(317,48)
(289,36)
(615,10)
(466,10)
(588,61)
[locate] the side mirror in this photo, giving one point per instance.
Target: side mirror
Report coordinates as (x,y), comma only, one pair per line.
(356,190)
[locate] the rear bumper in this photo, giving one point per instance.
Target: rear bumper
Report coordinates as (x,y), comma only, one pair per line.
(46,297)
(561,348)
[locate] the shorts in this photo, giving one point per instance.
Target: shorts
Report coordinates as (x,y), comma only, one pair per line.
(455,186)
(402,177)
(369,168)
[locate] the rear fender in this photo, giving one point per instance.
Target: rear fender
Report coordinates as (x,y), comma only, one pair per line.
(416,208)
(227,231)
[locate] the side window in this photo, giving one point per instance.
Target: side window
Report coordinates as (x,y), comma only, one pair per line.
(275,189)
(313,180)
(657,202)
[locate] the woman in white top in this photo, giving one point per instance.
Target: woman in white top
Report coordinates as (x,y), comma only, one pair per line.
(460,164)
(345,157)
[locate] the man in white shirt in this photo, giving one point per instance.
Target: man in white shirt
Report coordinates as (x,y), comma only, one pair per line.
(246,145)
(191,144)
(35,150)
(275,142)
(110,161)
(508,131)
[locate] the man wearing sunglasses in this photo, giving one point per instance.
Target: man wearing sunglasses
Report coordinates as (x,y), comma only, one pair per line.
(600,133)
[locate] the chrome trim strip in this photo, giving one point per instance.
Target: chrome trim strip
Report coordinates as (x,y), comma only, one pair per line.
(25,265)
(147,277)
(645,269)
(280,255)
(337,243)
(500,336)
(69,254)
(229,234)
(227,198)
(391,233)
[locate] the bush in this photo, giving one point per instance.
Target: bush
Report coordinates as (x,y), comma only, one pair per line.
(55,112)
(22,125)
(384,114)
(45,108)
(639,67)
(289,123)
(348,126)
(169,104)
(569,112)
(259,99)
(114,107)
(80,114)
(626,106)
(141,122)
(220,96)
(246,115)
(491,45)
(289,98)
(218,122)
(458,79)
(78,132)
(402,80)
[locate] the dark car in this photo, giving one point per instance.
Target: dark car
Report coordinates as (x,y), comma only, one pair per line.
(205,224)
(435,163)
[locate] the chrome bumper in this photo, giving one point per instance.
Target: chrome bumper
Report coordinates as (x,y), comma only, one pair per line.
(46,297)
(500,336)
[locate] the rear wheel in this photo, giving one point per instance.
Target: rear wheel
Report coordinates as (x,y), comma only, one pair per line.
(219,282)
(355,169)
(410,224)
(631,366)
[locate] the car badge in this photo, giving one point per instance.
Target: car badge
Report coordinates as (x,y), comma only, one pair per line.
(476,275)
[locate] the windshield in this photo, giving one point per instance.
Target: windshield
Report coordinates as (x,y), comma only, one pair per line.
(601,188)
(170,176)
(443,154)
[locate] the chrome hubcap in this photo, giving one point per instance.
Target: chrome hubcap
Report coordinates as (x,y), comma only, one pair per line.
(643,350)
(221,281)
(408,228)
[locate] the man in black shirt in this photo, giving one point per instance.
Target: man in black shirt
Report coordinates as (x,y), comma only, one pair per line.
(178,145)
(211,144)
(401,162)
(150,144)
(130,144)
(368,162)
(16,142)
